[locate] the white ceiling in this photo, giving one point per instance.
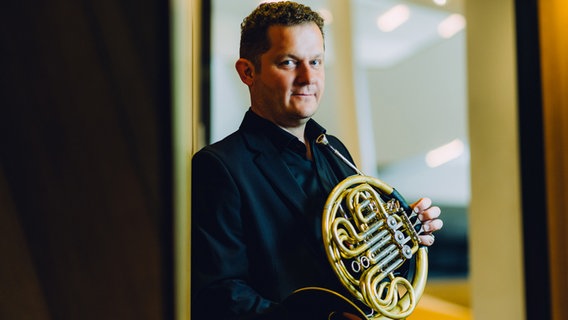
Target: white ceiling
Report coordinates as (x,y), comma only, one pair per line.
(384,49)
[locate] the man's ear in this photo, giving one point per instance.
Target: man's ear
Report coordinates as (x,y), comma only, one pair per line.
(246,71)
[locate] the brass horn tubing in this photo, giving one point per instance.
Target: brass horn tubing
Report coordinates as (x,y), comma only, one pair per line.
(389,305)
(391,255)
(382,268)
(335,259)
(377,274)
(410,300)
(348,233)
(360,220)
(352,284)
(394,266)
(378,262)
(372,245)
(390,300)
(363,211)
(352,199)
(384,251)
(357,206)
(373,293)
(351,196)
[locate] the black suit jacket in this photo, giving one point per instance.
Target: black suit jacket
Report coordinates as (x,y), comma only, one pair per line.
(252,241)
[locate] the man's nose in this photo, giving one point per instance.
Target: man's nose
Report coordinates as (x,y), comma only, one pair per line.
(306,74)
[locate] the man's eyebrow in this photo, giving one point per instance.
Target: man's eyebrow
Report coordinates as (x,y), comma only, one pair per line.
(287,55)
(295,57)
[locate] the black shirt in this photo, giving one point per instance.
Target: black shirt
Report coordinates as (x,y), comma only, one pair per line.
(316,177)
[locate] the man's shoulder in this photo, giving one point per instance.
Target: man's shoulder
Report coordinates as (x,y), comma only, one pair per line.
(226,147)
(336,143)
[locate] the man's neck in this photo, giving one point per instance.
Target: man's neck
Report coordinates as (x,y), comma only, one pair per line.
(295,129)
(298,132)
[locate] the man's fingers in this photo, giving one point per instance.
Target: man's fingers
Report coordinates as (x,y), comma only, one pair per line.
(430,226)
(421,205)
(430,214)
(427,240)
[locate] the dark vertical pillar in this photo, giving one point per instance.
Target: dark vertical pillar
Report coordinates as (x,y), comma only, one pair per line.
(534,201)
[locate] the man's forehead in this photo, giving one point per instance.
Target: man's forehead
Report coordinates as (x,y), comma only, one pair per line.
(301,26)
(281,36)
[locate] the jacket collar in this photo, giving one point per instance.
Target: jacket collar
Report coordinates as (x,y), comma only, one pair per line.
(267,140)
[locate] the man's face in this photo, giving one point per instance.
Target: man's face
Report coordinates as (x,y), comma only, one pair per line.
(290,83)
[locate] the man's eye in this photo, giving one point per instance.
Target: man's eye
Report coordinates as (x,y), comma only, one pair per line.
(287,63)
(316,63)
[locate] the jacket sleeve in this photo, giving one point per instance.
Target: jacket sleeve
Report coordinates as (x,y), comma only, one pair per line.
(219,264)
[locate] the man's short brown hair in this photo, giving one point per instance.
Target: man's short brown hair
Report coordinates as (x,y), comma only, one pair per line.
(254,28)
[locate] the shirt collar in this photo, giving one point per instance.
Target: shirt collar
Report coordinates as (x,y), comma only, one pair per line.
(280,137)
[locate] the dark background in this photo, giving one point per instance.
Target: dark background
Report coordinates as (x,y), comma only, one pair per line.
(85,175)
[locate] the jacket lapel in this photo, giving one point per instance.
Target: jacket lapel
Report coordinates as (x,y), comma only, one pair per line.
(275,170)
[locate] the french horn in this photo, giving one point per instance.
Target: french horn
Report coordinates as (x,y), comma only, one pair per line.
(370,235)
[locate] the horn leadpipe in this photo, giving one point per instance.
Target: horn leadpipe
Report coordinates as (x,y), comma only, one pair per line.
(322,139)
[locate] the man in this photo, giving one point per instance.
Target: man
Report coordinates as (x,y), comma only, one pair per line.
(258,194)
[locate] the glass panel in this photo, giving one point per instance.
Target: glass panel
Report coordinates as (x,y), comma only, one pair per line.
(410,73)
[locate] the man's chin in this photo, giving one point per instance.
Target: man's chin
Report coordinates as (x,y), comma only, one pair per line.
(306,109)
(307,114)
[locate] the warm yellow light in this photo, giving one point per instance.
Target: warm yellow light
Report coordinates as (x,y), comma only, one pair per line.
(440,2)
(393,18)
(445,153)
(451,25)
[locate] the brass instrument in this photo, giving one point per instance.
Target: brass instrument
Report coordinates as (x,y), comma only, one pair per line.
(368,235)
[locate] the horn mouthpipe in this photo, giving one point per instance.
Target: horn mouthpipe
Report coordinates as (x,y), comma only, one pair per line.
(322,139)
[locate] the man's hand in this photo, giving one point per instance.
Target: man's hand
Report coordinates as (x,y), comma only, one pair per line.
(429,216)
